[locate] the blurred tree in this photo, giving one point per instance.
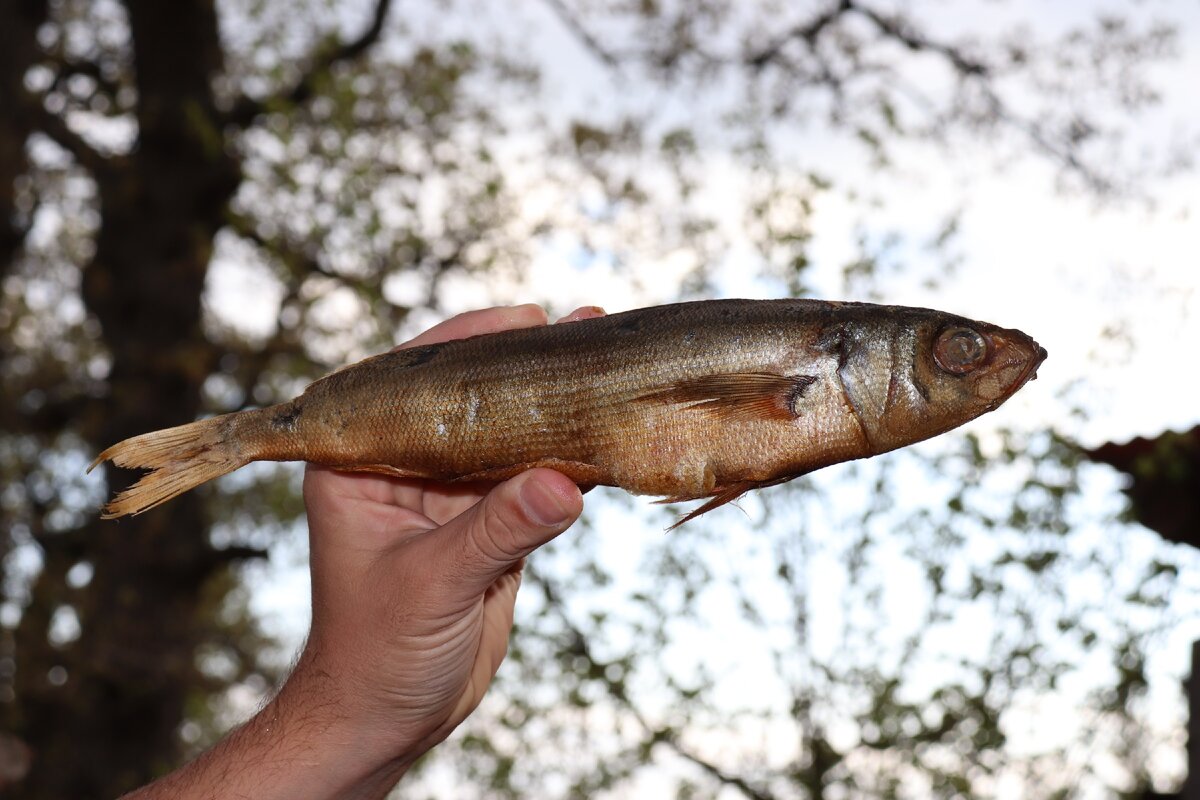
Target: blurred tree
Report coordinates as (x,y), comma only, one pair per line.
(108,650)
(1165,486)
(1164,477)
(172,172)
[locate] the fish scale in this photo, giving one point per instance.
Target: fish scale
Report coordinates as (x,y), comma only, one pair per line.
(701,400)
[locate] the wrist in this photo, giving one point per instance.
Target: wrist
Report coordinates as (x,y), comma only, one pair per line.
(331,747)
(303,743)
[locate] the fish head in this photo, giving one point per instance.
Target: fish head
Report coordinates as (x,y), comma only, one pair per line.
(975,366)
(919,373)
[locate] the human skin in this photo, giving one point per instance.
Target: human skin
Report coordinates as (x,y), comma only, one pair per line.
(413,588)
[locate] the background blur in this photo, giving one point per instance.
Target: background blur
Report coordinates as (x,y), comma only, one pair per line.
(205,205)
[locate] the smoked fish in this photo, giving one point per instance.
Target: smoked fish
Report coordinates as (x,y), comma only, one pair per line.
(702,400)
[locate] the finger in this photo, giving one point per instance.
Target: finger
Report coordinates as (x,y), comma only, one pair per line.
(498,611)
(584,312)
(442,502)
(473,323)
(356,508)
(342,485)
(490,539)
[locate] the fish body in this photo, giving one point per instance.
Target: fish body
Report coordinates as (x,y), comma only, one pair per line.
(686,401)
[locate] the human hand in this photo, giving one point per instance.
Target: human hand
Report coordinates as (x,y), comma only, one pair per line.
(413,588)
(414,581)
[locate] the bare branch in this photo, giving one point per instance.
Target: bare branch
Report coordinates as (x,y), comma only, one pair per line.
(237,552)
(809,31)
(616,689)
(581,33)
(12,235)
(726,778)
(252,364)
(895,28)
(247,108)
(972,69)
(1060,148)
(67,68)
(1044,141)
(299,263)
(55,127)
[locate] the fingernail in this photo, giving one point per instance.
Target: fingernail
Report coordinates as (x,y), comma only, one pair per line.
(542,504)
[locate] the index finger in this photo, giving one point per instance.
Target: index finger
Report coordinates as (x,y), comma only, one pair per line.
(473,323)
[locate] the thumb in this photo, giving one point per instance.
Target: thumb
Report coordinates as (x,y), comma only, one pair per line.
(511,521)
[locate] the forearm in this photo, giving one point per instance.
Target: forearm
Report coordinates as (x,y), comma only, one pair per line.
(413,592)
(301,744)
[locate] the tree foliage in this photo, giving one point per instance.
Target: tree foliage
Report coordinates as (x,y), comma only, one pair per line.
(205,206)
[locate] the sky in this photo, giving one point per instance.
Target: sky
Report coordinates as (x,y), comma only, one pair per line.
(1071,271)
(1111,289)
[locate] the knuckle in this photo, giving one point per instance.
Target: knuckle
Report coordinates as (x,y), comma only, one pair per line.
(495,534)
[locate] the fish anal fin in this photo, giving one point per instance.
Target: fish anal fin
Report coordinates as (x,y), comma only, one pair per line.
(380,469)
(722,495)
(677,498)
(584,474)
(740,396)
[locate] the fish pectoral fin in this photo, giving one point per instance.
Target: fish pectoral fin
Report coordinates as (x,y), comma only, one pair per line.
(740,395)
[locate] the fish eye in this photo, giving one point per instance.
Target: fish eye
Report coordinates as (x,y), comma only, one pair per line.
(959,350)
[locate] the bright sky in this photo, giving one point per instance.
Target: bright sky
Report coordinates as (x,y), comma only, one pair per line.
(1057,266)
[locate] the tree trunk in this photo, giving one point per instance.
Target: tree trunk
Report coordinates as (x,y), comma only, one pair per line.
(112,724)
(18,48)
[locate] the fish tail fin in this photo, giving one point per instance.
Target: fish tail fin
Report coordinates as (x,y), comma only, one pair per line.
(179,459)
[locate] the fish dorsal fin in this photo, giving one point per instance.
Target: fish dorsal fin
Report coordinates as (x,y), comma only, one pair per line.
(740,395)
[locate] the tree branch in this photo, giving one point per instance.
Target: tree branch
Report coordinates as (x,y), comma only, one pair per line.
(579,647)
(237,552)
(67,68)
(253,364)
(1059,148)
(726,778)
(56,128)
(809,31)
(246,109)
(974,69)
(1044,142)
(896,29)
(299,263)
(572,23)
(12,235)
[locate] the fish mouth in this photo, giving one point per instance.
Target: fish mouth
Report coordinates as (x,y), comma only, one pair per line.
(1030,371)
(1016,348)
